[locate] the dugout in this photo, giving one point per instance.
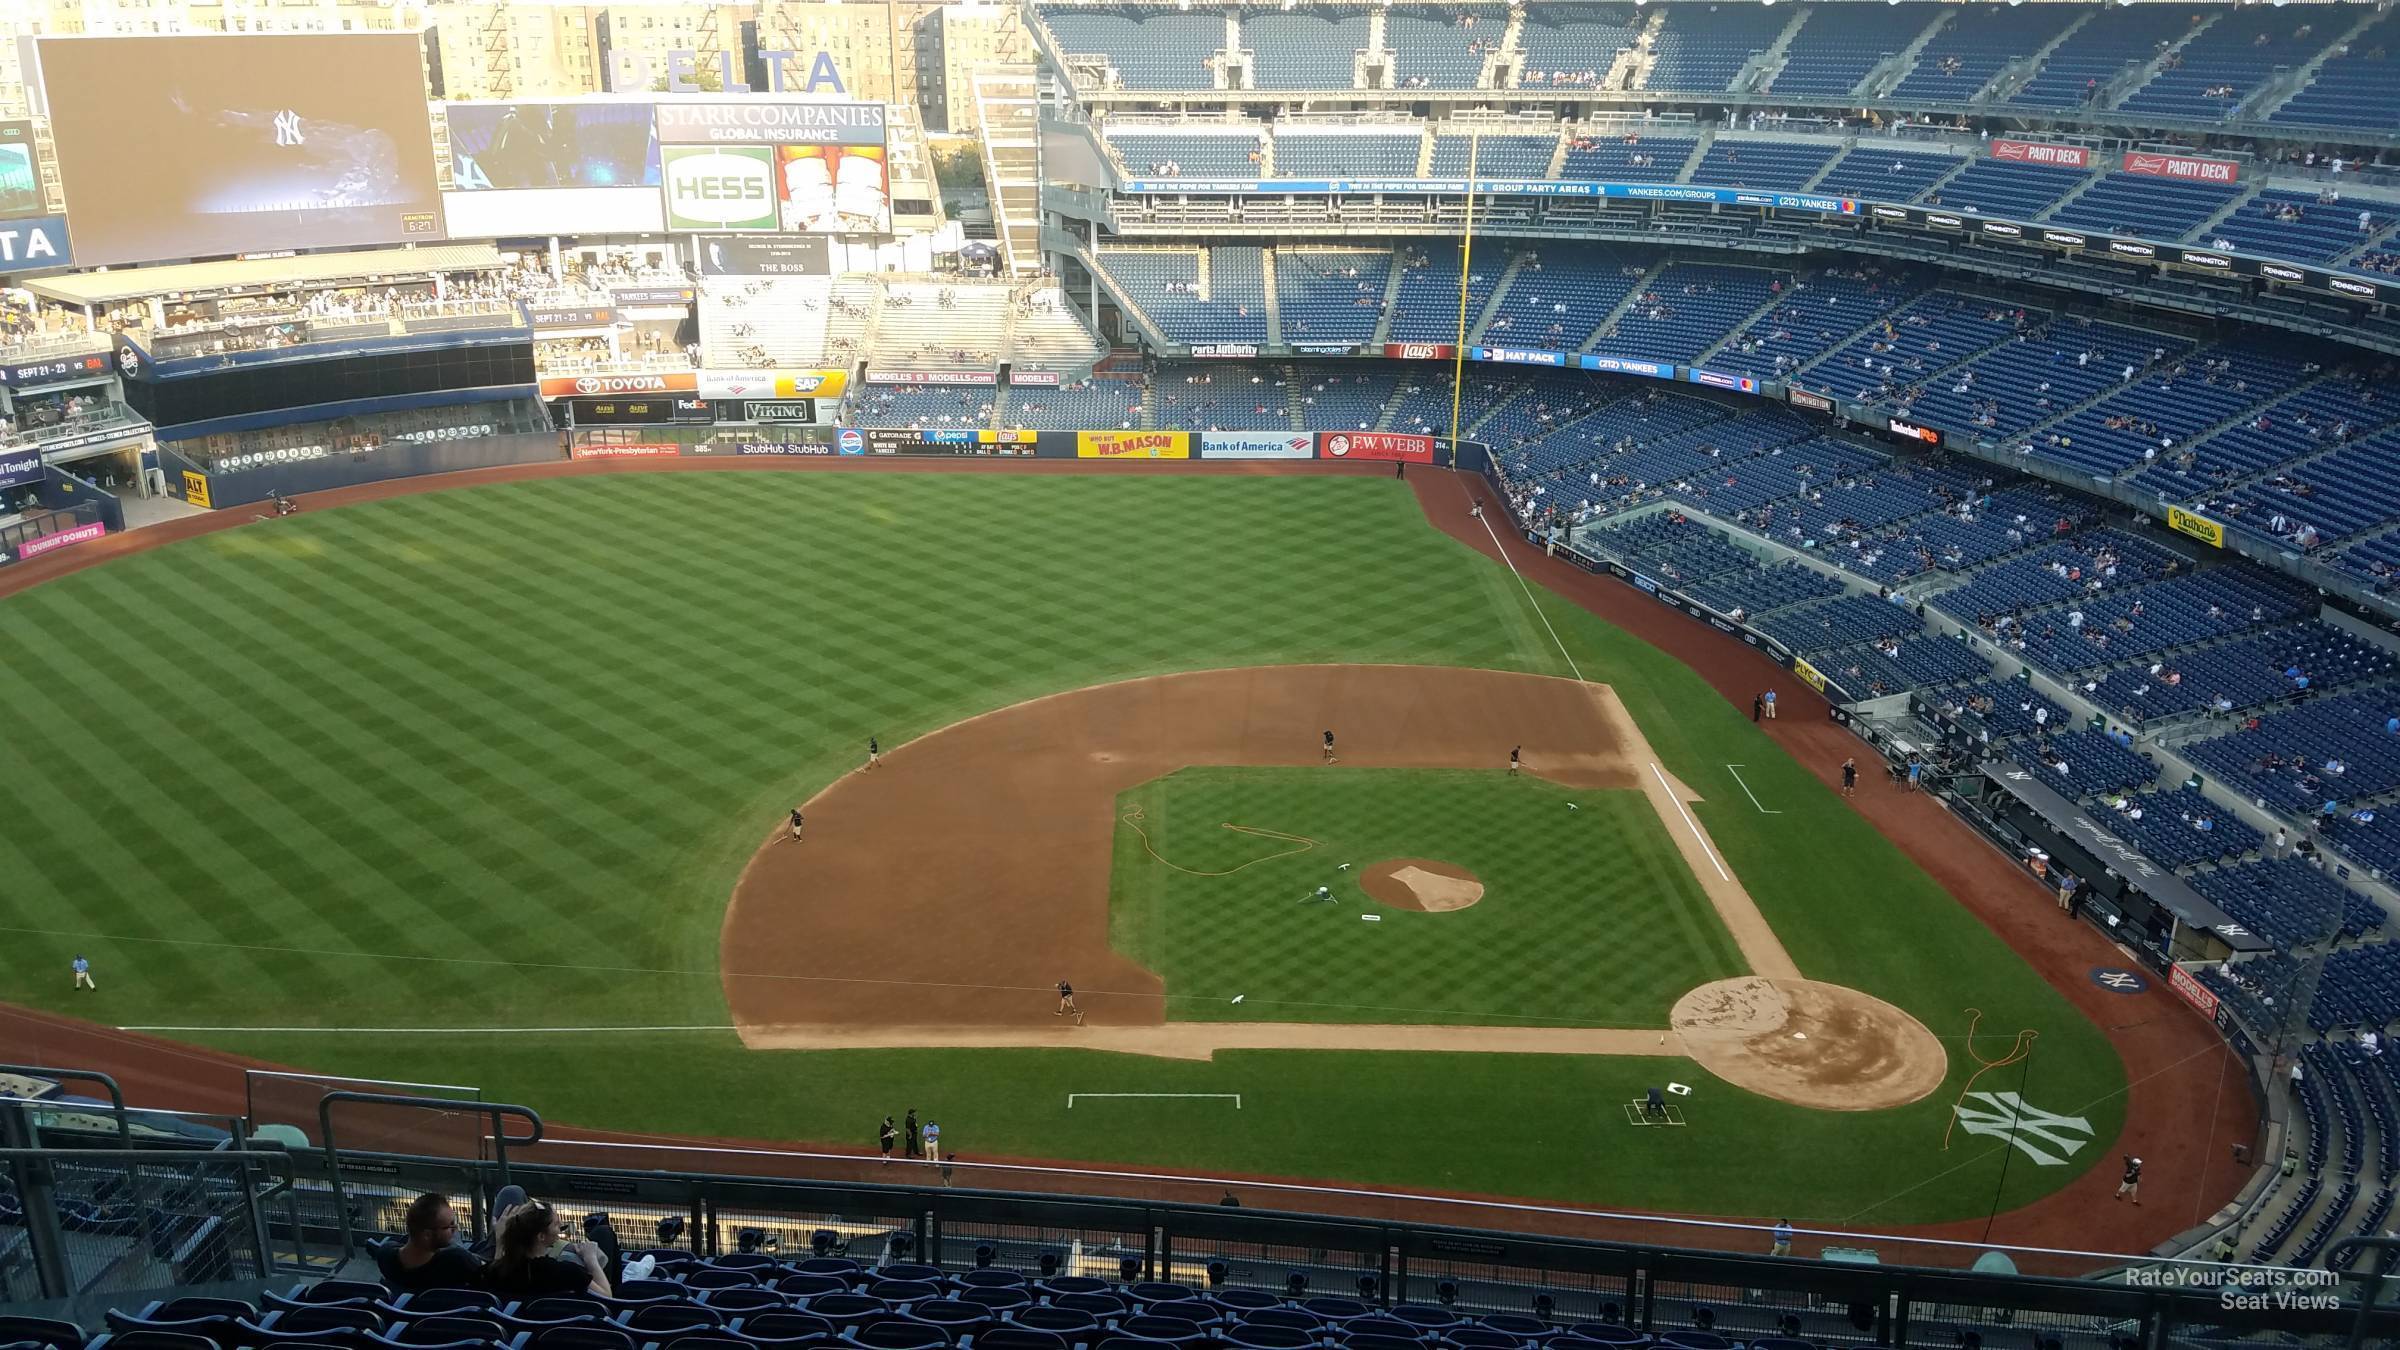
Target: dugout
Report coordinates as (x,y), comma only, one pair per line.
(2141,902)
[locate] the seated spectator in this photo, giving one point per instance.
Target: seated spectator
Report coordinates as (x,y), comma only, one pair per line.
(526,1266)
(431,1257)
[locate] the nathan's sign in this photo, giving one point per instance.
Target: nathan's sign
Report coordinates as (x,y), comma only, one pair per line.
(2190,168)
(648,382)
(2198,527)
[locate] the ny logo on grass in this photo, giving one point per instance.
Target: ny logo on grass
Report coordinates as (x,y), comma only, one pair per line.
(2010,1118)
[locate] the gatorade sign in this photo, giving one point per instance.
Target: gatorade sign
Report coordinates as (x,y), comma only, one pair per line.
(719,187)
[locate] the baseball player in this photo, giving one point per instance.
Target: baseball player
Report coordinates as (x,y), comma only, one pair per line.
(874,753)
(1516,759)
(887,1136)
(1329,749)
(1850,777)
(797,821)
(1066,1003)
(2129,1186)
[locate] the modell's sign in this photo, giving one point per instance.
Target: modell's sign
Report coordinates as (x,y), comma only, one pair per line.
(2187,167)
(657,382)
(2035,152)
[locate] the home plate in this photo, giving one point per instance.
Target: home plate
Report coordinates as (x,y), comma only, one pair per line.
(1371,918)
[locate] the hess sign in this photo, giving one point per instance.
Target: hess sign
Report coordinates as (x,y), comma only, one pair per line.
(720,187)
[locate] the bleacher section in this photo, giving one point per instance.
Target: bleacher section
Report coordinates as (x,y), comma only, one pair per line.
(1150,47)
(1496,155)
(2211,74)
(1577,42)
(1231,306)
(1878,173)
(1330,295)
(2353,88)
(1345,153)
(1704,47)
(1781,166)
(1311,48)
(1975,45)
(2143,204)
(1442,49)
(2000,187)
(2108,43)
(1622,158)
(1838,44)
(1198,153)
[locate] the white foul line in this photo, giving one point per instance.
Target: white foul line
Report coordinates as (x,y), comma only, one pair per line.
(1689,823)
(425,1031)
(1537,605)
(1235,1097)
(1736,771)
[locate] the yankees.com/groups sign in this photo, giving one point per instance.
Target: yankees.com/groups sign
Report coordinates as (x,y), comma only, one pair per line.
(1383,445)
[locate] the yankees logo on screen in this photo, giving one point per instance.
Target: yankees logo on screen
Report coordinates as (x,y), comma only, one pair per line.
(287,128)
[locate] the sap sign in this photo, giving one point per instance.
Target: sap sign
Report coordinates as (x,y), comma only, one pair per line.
(719,187)
(35,245)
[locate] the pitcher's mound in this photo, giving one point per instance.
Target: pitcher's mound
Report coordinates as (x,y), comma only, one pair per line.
(1421,884)
(1810,1044)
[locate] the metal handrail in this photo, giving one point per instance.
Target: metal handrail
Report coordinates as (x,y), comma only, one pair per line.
(116,1095)
(494,1112)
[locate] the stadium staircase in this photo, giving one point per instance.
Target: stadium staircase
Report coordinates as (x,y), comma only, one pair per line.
(1691,165)
(1424,150)
(1391,301)
(2262,105)
(1152,335)
(2099,174)
(2234,205)
(1934,188)
(1510,57)
(1887,76)
(1478,326)
(2013,75)
(1632,68)
(1266,264)
(1742,325)
(1558,156)
(1761,70)
(2121,88)
(1608,321)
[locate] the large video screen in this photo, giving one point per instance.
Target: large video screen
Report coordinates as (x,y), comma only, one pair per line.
(775,166)
(500,146)
(20,181)
(193,145)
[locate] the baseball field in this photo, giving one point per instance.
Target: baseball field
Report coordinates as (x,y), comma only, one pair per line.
(487,786)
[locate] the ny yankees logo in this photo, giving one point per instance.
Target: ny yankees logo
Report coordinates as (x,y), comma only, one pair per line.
(287,128)
(2012,1119)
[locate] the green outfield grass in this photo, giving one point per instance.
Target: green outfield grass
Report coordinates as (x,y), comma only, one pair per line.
(493,757)
(1589,917)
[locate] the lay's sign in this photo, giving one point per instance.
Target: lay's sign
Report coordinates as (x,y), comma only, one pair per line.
(1133,445)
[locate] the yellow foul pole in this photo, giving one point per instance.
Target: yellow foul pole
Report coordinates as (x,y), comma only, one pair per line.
(1466,259)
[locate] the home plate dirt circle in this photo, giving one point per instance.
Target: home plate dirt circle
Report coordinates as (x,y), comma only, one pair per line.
(1421,884)
(1810,1044)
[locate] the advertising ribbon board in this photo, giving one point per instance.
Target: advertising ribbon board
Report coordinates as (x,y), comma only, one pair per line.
(2036,152)
(2198,527)
(2195,993)
(2190,168)
(1257,445)
(1383,445)
(720,187)
(195,490)
(1133,445)
(661,382)
(34,548)
(1007,436)
(780,384)
(625,451)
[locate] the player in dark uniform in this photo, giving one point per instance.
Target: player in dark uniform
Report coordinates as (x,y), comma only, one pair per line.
(1849,777)
(874,753)
(1066,1002)
(1516,759)
(796,823)
(1329,748)
(887,1136)
(2129,1185)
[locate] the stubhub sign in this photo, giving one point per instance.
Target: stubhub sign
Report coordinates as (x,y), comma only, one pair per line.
(719,187)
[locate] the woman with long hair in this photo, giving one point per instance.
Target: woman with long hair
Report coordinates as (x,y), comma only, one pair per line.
(536,1258)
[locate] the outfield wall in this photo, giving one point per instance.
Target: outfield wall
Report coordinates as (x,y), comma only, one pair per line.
(394,459)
